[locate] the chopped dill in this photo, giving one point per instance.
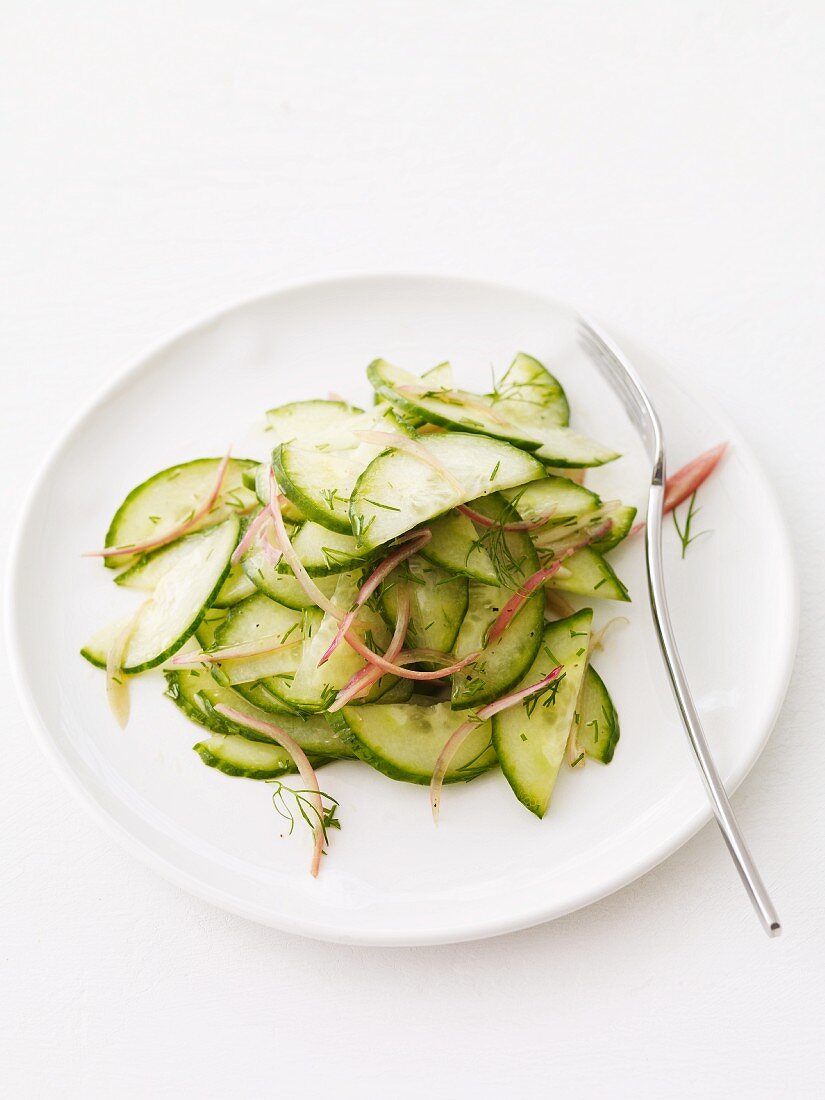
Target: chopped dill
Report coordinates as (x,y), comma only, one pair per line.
(684,532)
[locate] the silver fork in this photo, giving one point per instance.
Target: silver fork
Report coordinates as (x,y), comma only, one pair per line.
(623,379)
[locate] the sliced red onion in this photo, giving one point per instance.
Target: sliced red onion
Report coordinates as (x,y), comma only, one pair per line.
(455,741)
(686,481)
(517,525)
(251,534)
(412,544)
(176,532)
(285,546)
(305,770)
(359,685)
(417,450)
(398,669)
(258,648)
(517,601)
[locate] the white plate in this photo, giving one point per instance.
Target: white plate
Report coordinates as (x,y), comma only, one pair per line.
(391,877)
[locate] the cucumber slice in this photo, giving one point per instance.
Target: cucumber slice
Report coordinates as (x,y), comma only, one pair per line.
(530,739)
(167,498)
(504,662)
(596,720)
(197,695)
(529,383)
(148,569)
(313,688)
(587,573)
(621,516)
(313,419)
(318,474)
(324,552)
(234,755)
(439,377)
(260,617)
(404,741)
(281,587)
(455,546)
(438,603)
(397,491)
(178,604)
(557,495)
(260,485)
(457,409)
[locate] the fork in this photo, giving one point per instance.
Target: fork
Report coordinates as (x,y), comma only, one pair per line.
(623,380)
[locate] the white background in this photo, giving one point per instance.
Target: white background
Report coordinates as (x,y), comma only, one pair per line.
(660,163)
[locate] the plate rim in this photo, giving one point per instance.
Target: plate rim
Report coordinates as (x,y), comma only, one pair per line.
(539,913)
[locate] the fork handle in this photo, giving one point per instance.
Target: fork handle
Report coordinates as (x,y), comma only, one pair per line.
(725,818)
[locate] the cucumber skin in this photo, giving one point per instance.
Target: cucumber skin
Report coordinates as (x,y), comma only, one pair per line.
(339,725)
(597,688)
(304,503)
(116,563)
(610,587)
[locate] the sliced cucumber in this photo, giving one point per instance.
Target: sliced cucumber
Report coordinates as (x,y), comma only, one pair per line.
(530,739)
(438,603)
(234,755)
(318,474)
(404,741)
(529,383)
(503,663)
(456,409)
(308,419)
(597,723)
(197,695)
(323,552)
(587,573)
(281,587)
(260,486)
(621,517)
(257,618)
(168,498)
(147,571)
(455,546)
(397,491)
(182,596)
(439,377)
(558,497)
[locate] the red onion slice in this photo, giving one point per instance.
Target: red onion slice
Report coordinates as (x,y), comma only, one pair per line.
(456,739)
(305,770)
(517,601)
(686,481)
(259,648)
(360,684)
(517,525)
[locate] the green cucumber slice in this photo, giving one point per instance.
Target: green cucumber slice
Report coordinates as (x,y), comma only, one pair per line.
(455,546)
(177,605)
(259,617)
(438,603)
(166,499)
(397,490)
(260,484)
(557,496)
(596,720)
(530,739)
(621,516)
(281,587)
(439,377)
(504,662)
(302,419)
(324,553)
(197,695)
(234,755)
(587,573)
(318,474)
(456,409)
(529,383)
(404,741)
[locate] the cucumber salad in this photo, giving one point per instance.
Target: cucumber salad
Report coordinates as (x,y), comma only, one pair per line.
(390,586)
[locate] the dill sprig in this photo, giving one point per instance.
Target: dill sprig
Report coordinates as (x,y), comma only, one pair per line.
(327,819)
(686,537)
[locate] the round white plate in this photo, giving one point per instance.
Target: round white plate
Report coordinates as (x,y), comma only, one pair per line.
(391,877)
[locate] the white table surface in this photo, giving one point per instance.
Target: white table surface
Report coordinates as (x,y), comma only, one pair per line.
(660,163)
